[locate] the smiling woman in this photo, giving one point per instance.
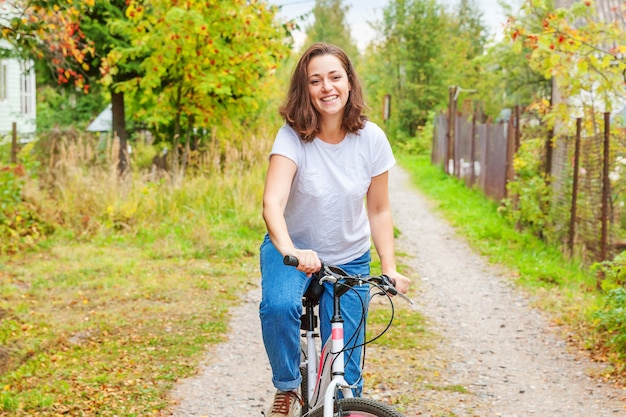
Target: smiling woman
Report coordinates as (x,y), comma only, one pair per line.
(325,161)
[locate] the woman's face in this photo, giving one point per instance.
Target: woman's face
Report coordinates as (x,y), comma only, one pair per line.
(329,87)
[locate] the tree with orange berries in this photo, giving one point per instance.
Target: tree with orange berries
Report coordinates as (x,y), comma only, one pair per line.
(48,31)
(199,61)
(583,52)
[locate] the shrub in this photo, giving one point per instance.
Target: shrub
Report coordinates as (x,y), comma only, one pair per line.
(20,225)
(529,195)
(612,320)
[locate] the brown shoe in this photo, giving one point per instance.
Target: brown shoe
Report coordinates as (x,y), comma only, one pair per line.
(285,404)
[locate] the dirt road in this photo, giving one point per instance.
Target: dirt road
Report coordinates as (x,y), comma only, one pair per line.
(504,353)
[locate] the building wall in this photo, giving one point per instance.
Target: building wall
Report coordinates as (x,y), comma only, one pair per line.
(18,100)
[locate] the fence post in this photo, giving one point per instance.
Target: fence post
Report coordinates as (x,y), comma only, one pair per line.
(572,219)
(473,149)
(606,187)
(549,152)
(14,144)
(518,128)
(450,133)
(511,148)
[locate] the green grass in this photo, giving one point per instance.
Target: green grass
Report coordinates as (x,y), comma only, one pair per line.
(407,332)
(102,320)
(91,328)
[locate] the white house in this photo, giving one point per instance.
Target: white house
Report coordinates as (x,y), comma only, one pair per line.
(17,87)
(17,96)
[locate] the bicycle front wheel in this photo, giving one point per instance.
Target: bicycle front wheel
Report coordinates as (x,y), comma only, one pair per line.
(359,407)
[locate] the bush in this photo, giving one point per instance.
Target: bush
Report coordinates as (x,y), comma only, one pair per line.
(612,320)
(20,225)
(529,195)
(421,143)
(613,272)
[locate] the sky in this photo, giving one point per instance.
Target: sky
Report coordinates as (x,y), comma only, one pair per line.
(363,11)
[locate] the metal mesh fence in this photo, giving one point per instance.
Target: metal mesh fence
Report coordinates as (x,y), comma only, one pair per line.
(586,214)
(587,207)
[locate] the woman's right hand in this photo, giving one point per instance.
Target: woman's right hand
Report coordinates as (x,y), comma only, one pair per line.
(308,261)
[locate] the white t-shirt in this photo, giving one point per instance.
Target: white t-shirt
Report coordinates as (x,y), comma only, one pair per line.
(326,209)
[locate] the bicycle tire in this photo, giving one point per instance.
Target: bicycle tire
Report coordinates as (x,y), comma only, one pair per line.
(304,385)
(359,407)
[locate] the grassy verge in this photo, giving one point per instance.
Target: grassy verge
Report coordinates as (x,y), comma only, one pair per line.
(103,320)
(557,285)
(96,329)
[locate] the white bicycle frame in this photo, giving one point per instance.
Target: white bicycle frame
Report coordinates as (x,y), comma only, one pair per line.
(332,354)
(332,351)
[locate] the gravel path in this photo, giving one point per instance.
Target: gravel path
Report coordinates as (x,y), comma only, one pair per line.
(492,343)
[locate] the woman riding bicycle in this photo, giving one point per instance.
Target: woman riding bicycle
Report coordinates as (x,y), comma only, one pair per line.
(325,161)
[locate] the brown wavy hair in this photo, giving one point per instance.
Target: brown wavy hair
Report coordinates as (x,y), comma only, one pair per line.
(298,110)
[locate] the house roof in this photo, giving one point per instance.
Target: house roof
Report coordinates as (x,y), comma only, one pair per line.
(102,123)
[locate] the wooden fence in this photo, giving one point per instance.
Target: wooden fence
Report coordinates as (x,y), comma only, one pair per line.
(587,175)
(481,154)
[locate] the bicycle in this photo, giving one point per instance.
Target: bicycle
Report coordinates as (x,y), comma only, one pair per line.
(321,399)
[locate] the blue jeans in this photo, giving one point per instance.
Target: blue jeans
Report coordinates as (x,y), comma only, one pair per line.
(281,307)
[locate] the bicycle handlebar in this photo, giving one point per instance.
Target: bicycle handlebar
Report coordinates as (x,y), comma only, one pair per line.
(291,260)
(384,282)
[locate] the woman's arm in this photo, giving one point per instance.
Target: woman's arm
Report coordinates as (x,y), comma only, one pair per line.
(381,224)
(280,175)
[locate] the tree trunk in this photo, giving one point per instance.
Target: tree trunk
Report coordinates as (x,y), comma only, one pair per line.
(119,129)
(187,149)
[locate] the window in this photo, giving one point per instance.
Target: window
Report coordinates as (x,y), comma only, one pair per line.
(26,89)
(3,81)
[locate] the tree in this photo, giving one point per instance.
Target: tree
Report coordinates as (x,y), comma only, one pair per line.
(98,24)
(581,51)
(503,77)
(465,39)
(72,38)
(48,31)
(199,61)
(468,24)
(408,61)
(330,25)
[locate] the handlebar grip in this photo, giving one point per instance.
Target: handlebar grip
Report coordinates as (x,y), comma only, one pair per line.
(290,260)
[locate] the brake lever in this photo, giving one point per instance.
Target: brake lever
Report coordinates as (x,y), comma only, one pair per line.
(407,299)
(391,288)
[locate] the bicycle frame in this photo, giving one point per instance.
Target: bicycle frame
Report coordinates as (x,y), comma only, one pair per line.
(332,381)
(333,353)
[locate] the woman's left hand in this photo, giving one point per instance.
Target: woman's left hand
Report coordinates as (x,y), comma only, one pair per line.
(401,282)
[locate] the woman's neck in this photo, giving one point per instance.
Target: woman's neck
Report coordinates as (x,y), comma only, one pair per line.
(332,131)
